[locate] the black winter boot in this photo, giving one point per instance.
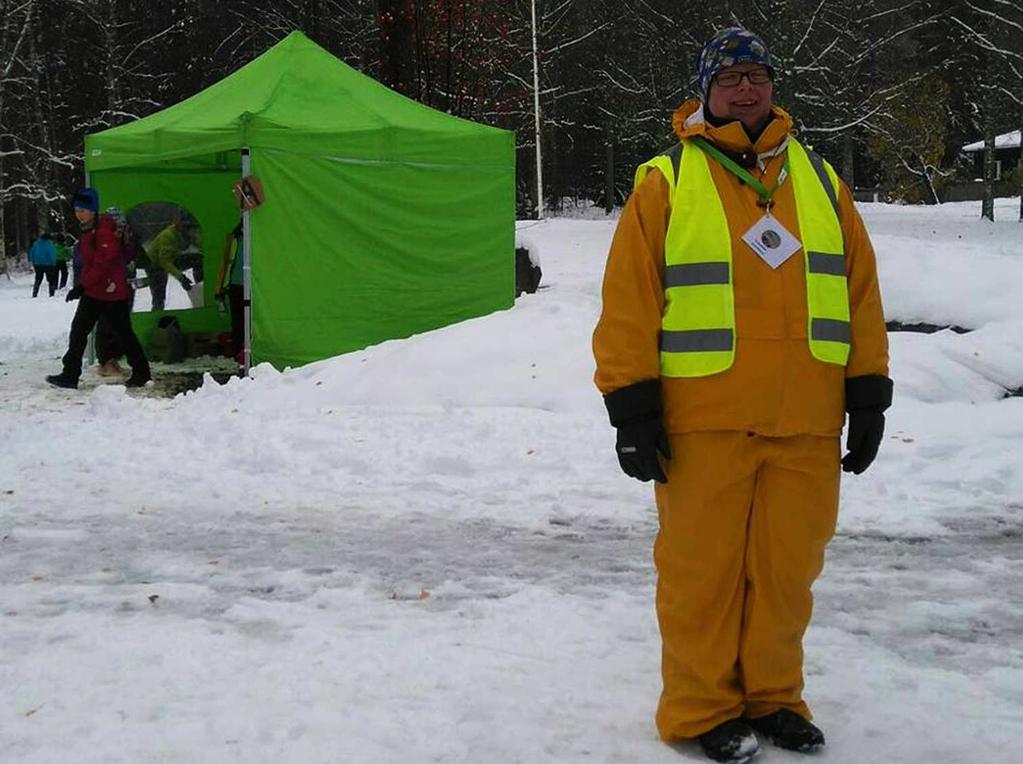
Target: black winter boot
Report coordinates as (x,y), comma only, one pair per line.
(138,379)
(732,741)
(63,380)
(787,729)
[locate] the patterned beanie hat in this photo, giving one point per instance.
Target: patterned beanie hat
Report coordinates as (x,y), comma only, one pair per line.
(727,48)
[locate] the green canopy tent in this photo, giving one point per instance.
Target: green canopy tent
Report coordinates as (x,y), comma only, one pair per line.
(383,217)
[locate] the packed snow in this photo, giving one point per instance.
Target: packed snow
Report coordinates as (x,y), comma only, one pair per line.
(426,552)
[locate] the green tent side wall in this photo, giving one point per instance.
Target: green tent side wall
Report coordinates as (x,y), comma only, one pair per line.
(356,253)
(383,218)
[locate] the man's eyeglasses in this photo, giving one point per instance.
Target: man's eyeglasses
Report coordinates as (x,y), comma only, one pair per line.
(732,79)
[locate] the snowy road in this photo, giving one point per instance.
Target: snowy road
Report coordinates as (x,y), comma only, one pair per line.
(464,640)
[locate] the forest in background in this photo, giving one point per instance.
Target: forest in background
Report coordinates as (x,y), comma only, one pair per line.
(888,91)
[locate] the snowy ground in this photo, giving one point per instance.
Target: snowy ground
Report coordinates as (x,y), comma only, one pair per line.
(425,552)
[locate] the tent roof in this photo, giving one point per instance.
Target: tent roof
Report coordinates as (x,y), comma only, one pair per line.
(297,97)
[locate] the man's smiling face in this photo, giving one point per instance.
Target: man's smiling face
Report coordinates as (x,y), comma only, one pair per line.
(746,101)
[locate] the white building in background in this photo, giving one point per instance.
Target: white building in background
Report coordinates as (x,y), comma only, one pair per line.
(1007,149)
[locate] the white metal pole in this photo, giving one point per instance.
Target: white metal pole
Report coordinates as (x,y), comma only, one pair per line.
(536,113)
(247,271)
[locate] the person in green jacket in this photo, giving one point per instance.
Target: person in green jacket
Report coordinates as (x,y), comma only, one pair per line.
(63,258)
(164,252)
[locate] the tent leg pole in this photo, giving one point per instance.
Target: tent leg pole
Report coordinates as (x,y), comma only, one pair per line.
(247,271)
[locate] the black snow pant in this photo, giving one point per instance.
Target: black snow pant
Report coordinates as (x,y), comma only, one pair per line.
(50,272)
(118,314)
(157,278)
(62,270)
(109,346)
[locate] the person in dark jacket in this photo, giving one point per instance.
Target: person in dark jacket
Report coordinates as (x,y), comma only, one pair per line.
(230,288)
(103,291)
(43,256)
(109,348)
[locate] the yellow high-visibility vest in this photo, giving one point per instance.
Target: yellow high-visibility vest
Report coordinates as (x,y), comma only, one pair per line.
(698,324)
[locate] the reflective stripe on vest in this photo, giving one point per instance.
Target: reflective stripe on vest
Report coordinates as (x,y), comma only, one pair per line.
(698,324)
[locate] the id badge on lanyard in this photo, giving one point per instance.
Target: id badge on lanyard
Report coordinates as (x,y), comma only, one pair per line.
(768,238)
(771,240)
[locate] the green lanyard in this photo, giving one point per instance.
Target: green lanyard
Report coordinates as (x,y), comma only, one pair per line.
(743,174)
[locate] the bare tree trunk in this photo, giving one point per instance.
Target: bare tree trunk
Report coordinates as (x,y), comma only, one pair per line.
(848,163)
(3,217)
(987,209)
(393,39)
(43,165)
(3,196)
(988,109)
(22,240)
(552,172)
(609,174)
(929,180)
(312,19)
(110,71)
(11,39)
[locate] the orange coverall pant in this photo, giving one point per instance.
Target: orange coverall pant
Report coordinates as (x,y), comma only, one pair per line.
(744,520)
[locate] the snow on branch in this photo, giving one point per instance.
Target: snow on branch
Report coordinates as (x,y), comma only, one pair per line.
(984,41)
(847,126)
(176,25)
(9,65)
(576,41)
(809,29)
(996,17)
(866,52)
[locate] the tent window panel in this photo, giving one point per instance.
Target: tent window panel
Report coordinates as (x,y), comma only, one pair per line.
(167,266)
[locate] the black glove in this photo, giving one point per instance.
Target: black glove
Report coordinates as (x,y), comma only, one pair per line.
(866,399)
(185,283)
(638,445)
(635,412)
(866,428)
(73,294)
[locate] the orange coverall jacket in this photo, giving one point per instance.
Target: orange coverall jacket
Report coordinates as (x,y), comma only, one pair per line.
(775,387)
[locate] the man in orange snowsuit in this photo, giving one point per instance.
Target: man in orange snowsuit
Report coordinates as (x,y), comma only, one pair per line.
(741,321)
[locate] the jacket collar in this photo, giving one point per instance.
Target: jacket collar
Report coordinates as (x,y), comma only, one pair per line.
(689,121)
